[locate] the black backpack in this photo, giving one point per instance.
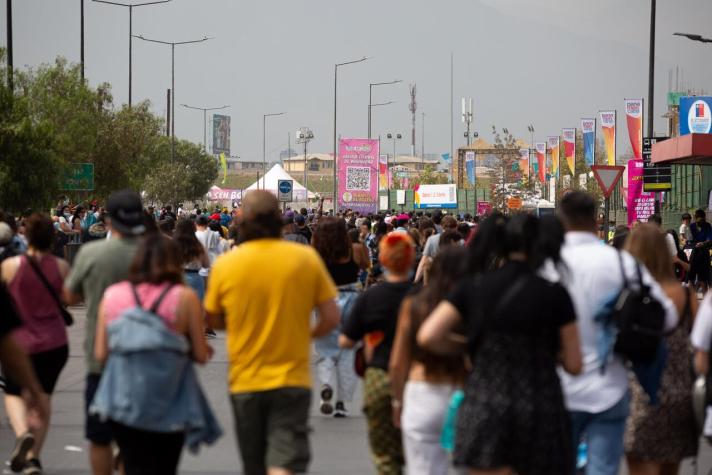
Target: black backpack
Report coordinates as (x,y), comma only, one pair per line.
(640,320)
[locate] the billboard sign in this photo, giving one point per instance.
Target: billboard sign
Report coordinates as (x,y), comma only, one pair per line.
(78,177)
(221,134)
(655,177)
(435,196)
(359,175)
(695,115)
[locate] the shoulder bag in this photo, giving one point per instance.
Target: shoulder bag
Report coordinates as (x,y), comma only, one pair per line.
(66,316)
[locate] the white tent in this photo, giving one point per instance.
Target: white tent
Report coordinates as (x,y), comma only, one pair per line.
(271,178)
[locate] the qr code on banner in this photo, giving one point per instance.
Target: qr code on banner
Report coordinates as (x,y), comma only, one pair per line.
(358,178)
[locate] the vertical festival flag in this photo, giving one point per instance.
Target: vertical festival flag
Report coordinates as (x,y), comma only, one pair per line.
(470,166)
(540,148)
(588,130)
(608,126)
(634,119)
(570,149)
(383,181)
(223,164)
(524,161)
(553,144)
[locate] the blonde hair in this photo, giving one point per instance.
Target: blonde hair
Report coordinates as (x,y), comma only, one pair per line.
(647,244)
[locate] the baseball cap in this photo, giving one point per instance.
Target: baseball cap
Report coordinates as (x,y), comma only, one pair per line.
(126,212)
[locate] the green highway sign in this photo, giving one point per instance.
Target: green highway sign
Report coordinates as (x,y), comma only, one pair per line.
(78,177)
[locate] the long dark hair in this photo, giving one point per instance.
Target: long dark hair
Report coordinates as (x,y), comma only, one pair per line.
(157,260)
(331,240)
(499,236)
(184,237)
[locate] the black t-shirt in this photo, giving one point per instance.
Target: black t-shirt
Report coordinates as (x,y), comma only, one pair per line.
(538,307)
(343,273)
(9,320)
(376,310)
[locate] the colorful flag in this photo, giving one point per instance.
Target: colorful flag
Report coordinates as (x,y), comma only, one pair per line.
(588,129)
(223,163)
(608,126)
(524,161)
(470,167)
(383,182)
(570,149)
(540,148)
(634,119)
(553,144)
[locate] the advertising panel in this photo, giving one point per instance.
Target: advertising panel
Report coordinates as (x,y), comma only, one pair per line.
(221,134)
(570,149)
(552,143)
(634,119)
(695,115)
(435,196)
(588,130)
(470,167)
(540,148)
(608,127)
(358,175)
(641,204)
(383,176)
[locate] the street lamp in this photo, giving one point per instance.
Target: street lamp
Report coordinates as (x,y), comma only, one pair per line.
(173,45)
(336,71)
(694,37)
(130,7)
(205,120)
(304,135)
(370,88)
(264,146)
(393,137)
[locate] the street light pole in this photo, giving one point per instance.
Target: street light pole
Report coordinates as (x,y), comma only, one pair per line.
(130,7)
(370,89)
(336,71)
(304,135)
(264,146)
(9,45)
(173,45)
(81,34)
(205,120)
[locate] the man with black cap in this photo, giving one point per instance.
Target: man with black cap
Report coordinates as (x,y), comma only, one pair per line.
(98,265)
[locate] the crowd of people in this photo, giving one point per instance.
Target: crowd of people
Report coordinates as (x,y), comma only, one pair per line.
(490,345)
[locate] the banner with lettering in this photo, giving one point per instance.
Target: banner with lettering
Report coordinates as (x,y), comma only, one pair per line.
(552,143)
(540,148)
(358,175)
(634,119)
(588,130)
(608,127)
(641,204)
(524,154)
(569,136)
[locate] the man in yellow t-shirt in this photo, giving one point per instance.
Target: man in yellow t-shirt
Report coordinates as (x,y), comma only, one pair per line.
(263,293)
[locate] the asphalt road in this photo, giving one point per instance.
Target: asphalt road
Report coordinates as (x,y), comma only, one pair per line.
(339,446)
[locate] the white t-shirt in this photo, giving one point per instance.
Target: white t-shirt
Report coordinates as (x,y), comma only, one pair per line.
(702,330)
(670,241)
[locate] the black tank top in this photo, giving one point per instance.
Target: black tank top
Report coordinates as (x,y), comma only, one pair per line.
(344,273)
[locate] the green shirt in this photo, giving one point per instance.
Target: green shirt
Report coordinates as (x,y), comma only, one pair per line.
(98,265)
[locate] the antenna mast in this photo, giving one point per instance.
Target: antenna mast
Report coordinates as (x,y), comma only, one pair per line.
(412,108)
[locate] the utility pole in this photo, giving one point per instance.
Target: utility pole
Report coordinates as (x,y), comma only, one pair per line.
(81,45)
(9,46)
(168,113)
(412,108)
(422,138)
(651,86)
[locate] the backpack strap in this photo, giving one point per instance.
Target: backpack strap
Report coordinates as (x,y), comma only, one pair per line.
(626,284)
(156,304)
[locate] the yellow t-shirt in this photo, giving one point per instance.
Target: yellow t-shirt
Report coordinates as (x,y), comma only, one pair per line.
(266,289)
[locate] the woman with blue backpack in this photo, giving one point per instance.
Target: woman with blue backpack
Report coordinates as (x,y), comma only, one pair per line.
(149,333)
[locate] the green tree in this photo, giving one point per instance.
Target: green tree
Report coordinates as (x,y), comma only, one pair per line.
(187,177)
(506,174)
(429,177)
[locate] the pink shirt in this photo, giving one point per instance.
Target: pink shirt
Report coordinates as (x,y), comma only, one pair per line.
(119,297)
(42,324)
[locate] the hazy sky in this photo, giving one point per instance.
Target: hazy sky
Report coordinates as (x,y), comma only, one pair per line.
(544,62)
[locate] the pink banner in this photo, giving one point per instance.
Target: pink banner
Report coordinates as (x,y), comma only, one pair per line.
(641,205)
(483,208)
(223,194)
(358,175)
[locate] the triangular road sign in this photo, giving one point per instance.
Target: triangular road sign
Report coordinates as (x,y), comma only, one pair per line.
(607,177)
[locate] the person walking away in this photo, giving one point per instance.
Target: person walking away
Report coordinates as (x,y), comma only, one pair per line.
(290,231)
(148,334)
(373,319)
(30,278)
(684,231)
(194,256)
(512,418)
(658,437)
(361,255)
(682,265)
(302,228)
(223,245)
(335,364)
(208,238)
(700,258)
(431,248)
(98,265)
(16,364)
(266,311)
(598,398)
(422,382)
